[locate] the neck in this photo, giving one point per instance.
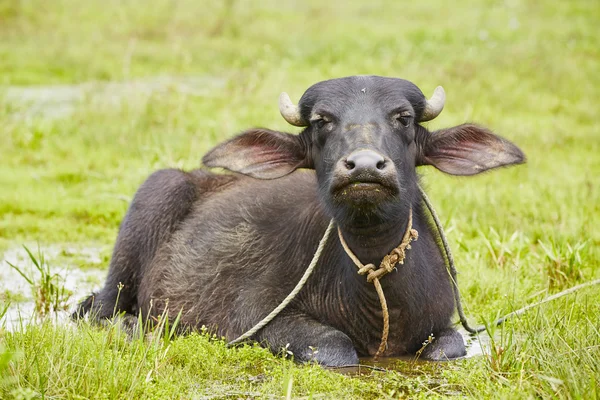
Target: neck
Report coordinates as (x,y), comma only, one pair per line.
(371,242)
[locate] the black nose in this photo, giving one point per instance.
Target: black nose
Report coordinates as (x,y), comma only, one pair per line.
(365,161)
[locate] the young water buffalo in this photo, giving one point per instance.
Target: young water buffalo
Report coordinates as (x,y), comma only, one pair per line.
(227,248)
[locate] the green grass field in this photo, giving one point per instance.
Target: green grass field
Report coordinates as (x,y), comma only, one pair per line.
(96,95)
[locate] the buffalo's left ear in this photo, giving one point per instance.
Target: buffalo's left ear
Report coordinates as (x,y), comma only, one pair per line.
(260,153)
(466,150)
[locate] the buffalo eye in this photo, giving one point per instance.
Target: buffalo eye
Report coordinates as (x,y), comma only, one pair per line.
(404,118)
(322,121)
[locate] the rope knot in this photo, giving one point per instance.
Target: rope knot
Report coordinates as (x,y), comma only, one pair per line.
(387,265)
(367,269)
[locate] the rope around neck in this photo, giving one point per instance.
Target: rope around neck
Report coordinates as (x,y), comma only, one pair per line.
(388,264)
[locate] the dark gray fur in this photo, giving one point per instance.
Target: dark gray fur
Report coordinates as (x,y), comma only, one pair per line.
(226,249)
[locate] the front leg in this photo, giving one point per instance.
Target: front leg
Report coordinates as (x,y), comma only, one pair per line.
(308,340)
(447,345)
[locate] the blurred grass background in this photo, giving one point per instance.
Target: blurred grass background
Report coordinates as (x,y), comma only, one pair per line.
(95,95)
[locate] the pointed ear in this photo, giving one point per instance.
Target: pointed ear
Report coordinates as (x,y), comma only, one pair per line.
(260,153)
(466,150)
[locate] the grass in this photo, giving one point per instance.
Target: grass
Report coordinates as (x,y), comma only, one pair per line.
(49,293)
(527,69)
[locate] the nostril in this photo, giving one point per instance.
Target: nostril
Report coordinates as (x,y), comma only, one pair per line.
(381,164)
(350,164)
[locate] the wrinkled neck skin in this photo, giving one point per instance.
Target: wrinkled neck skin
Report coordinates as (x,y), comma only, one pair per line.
(373,235)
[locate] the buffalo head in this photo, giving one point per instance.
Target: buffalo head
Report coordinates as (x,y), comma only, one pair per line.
(363,137)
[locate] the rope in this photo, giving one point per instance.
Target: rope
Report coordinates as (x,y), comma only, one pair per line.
(292,294)
(452,272)
(451,266)
(387,265)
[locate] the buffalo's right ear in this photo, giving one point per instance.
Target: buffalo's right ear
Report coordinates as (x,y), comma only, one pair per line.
(260,153)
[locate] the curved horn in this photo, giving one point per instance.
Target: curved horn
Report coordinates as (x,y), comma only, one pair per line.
(289,111)
(434,105)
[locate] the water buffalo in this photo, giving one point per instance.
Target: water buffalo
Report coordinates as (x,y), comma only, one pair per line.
(225,249)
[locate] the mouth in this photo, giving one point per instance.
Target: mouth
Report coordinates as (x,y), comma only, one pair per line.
(375,186)
(362,191)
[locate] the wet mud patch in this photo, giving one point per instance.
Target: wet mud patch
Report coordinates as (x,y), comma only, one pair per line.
(477,345)
(74,272)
